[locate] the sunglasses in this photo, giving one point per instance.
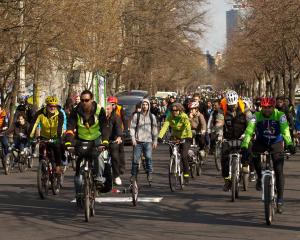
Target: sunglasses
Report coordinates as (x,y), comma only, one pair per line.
(85,100)
(175,110)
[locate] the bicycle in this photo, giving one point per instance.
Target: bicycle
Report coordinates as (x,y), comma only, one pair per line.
(175,166)
(235,173)
(46,171)
(269,192)
(86,199)
(195,160)
(17,157)
(217,154)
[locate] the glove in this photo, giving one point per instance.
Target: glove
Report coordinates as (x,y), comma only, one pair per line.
(160,140)
(292,149)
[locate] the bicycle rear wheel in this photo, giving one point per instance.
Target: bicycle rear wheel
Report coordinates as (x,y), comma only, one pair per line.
(22,164)
(87,211)
(43,179)
(268,203)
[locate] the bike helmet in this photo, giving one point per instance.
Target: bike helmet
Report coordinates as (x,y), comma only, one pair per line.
(51,100)
(112,99)
(232,97)
(193,105)
(267,102)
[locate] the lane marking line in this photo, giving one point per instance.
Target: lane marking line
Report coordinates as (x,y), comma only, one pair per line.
(125,199)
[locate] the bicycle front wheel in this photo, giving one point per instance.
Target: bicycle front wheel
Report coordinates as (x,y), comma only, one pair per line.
(22,164)
(43,179)
(174,178)
(87,211)
(8,160)
(134,192)
(268,201)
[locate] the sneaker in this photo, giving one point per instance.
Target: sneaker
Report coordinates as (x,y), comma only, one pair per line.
(252,177)
(227,185)
(149,177)
(280,207)
(118,181)
(245,168)
(258,185)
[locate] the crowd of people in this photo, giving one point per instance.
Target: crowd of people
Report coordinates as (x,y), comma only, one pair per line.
(260,124)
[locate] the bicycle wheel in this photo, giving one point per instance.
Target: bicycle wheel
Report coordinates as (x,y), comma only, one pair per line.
(55,182)
(29,161)
(217,156)
(8,160)
(268,204)
(198,164)
(173,178)
(193,170)
(22,164)
(87,211)
(134,192)
(42,179)
(92,201)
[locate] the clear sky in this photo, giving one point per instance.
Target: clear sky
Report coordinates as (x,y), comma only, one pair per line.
(215,36)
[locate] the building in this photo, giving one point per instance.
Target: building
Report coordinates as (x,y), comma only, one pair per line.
(232,19)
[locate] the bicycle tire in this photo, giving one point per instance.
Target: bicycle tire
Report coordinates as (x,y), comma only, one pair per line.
(233,187)
(29,161)
(22,163)
(134,192)
(87,212)
(193,171)
(55,183)
(198,164)
(217,156)
(42,179)
(8,159)
(172,175)
(268,204)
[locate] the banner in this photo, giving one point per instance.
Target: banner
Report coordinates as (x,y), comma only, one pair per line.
(100,89)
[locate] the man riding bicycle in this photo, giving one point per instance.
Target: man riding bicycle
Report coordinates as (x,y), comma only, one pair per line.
(87,124)
(50,122)
(272,131)
(236,116)
(179,122)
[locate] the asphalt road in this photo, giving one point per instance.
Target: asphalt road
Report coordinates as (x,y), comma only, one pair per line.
(201,211)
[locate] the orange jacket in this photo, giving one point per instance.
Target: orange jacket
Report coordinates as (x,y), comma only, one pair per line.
(223,105)
(2,118)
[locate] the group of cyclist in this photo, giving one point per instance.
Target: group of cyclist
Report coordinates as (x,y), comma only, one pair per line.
(267,124)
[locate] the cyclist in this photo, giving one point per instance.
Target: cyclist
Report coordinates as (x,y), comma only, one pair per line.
(50,122)
(87,124)
(179,122)
(20,130)
(271,129)
(236,116)
(120,112)
(3,127)
(215,124)
(143,131)
(198,125)
(113,122)
(24,108)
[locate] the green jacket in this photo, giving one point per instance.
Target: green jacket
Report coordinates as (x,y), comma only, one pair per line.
(268,130)
(180,125)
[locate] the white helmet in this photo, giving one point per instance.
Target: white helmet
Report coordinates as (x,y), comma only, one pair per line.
(232,97)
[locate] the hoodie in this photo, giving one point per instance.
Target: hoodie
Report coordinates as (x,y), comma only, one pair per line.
(143,132)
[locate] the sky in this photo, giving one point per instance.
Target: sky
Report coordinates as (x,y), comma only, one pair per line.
(215,35)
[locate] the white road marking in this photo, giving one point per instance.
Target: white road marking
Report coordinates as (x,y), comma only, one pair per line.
(125,199)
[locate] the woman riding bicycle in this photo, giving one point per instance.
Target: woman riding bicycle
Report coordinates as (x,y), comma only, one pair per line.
(198,125)
(179,122)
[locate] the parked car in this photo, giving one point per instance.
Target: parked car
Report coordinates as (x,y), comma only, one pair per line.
(139,93)
(128,103)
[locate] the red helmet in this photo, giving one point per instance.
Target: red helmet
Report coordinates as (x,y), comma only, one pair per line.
(112,99)
(267,102)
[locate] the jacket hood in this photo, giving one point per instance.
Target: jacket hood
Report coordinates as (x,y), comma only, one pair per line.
(148,102)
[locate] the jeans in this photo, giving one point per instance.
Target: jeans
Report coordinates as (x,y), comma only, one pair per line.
(146,149)
(20,143)
(4,142)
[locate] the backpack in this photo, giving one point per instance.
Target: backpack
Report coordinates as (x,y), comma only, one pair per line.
(138,120)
